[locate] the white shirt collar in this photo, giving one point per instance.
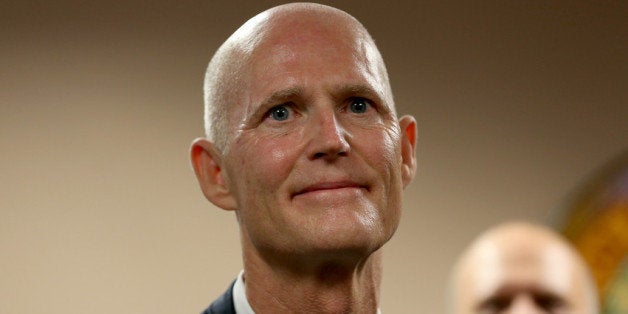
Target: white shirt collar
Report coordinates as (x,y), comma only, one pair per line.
(240,301)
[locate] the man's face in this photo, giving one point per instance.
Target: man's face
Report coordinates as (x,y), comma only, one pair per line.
(523,279)
(313,158)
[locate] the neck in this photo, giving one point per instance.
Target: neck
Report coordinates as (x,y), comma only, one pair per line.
(328,285)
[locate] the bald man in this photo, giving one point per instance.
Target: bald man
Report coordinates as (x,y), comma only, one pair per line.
(304,145)
(520,267)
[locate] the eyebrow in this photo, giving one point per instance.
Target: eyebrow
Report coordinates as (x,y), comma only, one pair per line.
(360,90)
(280,96)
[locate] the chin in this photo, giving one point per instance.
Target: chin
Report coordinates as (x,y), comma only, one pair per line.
(349,243)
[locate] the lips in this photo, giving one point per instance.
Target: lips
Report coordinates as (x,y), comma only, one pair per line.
(329,186)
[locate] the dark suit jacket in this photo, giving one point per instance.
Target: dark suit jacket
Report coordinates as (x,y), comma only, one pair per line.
(224,304)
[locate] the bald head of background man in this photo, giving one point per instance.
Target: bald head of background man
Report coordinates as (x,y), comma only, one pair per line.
(304,145)
(519,267)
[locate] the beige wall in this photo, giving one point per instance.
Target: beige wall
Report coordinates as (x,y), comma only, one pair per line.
(517,103)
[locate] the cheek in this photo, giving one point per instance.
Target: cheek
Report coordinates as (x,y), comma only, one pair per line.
(384,153)
(265,162)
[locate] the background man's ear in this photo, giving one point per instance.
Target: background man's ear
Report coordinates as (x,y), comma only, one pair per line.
(408,148)
(207,166)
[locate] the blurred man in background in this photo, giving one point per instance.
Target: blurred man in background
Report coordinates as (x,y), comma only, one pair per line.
(521,268)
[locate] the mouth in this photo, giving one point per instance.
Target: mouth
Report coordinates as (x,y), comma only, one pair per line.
(331,186)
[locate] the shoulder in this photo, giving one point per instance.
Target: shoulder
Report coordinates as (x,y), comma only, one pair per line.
(224,304)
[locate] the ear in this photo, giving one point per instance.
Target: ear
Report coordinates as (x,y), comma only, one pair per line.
(207,165)
(408,148)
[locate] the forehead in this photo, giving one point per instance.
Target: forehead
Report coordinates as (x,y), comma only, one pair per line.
(523,268)
(314,54)
(307,47)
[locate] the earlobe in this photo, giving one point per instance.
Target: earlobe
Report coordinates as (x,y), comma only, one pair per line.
(209,173)
(408,148)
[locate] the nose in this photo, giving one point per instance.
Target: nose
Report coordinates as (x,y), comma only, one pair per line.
(328,139)
(524,304)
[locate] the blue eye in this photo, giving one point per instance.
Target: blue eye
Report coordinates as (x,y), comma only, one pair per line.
(279,113)
(358,105)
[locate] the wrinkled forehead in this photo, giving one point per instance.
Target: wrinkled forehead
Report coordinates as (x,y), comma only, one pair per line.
(280,50)
(319,49)
(339,39)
